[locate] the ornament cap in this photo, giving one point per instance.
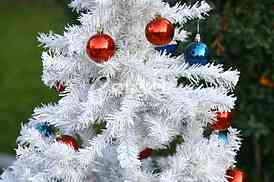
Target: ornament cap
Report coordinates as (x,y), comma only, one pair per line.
(158,15)
(57,132)
(99,29)
(198,37)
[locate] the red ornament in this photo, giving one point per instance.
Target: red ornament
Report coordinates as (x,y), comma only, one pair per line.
(145,153)
(68,140)
(236,175)
(223,121)
(160,31)
(59,86)
(100,47)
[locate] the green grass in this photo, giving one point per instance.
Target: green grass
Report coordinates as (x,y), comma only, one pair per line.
(20,64)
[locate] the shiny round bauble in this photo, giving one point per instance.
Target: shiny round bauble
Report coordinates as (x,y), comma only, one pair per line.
(236,175)
(168,49)
(160,31)
(266,82)
(222,122)
(145,153)
(100,48)
(197,53)
(222,135)
(68,140)
(59,86)
(45,129)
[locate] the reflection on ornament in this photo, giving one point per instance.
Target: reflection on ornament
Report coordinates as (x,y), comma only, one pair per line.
(222,122)
(45,129)
(222,135)
(100,47)
(145,153)
(236,175)
(68,140)
(160,31)
(197,52)
(168,49)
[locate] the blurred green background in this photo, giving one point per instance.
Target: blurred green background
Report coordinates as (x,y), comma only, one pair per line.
(240,34)
(20,75)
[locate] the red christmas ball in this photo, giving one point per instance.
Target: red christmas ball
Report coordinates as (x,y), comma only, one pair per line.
(100,48)
(68,140)
(145,153)
(160,31)
(236,175)
(223,121)
(59,86)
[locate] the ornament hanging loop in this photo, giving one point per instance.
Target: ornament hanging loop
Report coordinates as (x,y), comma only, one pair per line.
(198,36)
(198,26)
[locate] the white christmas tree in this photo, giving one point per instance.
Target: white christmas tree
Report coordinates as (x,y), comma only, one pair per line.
(133,98)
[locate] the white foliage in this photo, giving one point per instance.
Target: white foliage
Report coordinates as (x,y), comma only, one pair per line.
(135,96)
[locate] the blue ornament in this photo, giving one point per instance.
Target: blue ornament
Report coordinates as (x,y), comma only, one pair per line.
(45,129)
(223,136)
(168,49)
(197,53)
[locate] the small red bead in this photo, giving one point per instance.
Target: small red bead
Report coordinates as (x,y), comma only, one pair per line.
(160,31)
(100,48)
(236,175)
(145,153)
(69,140)
(59,86)
(223,121)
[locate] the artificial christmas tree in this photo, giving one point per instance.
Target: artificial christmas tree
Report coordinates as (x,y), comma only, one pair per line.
(118,110)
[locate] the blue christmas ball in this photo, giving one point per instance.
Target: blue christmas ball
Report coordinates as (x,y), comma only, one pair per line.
(223,137)
(168,49)
(197,53)
(45,129)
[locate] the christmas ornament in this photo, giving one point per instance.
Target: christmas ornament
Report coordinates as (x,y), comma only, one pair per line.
(59,86)
(168,49)
(236,175)
(223,121)
(266,82)
(218,46)
(68,140)
(145,153)
(160,31)
(45,129)
(197,52)
(223,137)
(100,47)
